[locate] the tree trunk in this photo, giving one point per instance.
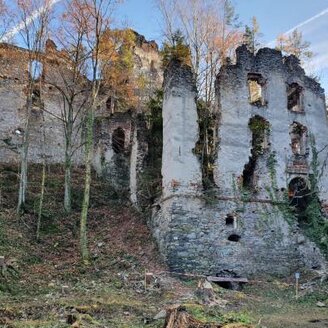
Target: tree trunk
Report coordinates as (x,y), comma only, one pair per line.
(86,197)
(23,163)
(178,317)
(43,180)
(68,173)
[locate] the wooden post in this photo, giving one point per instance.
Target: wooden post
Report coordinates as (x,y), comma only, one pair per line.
(2,265)
(297,277)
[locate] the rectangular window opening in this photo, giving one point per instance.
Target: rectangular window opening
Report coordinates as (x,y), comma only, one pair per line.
(256,85)
(295,98)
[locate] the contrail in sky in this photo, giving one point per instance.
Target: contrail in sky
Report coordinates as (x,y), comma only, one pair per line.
(322,13)
(310,20)
(29,20)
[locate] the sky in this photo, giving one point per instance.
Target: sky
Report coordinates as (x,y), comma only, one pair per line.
(274,17)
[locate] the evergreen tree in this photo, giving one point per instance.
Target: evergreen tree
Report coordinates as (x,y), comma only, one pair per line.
(252,36)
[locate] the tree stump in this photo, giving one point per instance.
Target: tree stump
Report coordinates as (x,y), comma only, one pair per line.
(178,317)
(205,292)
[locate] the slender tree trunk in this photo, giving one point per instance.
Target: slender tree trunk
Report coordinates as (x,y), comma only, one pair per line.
(86,198)
(68,171)
(43,180)
(23,164)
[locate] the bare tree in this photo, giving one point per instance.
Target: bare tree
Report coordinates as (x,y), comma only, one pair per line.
(294,44)
(33,34)
(70,80)
(93,17)
(4,20)
(210,29)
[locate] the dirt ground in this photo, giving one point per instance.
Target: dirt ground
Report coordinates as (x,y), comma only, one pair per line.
(126,283)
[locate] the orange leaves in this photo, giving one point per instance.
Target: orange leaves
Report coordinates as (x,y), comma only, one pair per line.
(117,61)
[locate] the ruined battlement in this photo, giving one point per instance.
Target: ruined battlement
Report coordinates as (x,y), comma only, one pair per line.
(268,61)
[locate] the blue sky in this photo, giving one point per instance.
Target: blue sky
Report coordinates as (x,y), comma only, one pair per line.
(274,17)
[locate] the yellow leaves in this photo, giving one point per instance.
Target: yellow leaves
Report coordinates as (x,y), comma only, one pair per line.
(117,60)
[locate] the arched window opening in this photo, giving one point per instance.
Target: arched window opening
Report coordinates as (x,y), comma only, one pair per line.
(35,70)
(118,140)
(295,98)
(298,134)
(298,194)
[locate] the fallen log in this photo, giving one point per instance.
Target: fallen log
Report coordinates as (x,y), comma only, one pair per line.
(227,279)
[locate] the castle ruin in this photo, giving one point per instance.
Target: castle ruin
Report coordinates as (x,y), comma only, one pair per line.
(271,118)
(269,145)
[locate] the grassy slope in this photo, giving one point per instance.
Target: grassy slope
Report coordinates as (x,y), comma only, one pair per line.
(52,289)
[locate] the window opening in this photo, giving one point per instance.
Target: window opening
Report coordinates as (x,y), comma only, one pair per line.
(35,68)
(256,89)
(234,238)
(36,97)
(298,194)
(298,134)
(118,140)
(260,129)
(294,98)
(230,219)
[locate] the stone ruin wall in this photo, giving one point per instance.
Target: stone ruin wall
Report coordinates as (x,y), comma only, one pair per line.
(13,81)
(232,233)
(124,167)
(235,110)
(227,234)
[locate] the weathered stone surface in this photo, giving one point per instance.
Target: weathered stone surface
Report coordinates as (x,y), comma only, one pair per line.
(180,168)
(195,236)
(122,168)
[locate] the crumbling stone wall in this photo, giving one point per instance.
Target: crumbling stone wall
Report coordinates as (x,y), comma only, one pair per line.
(239,230)
(112,155)
(180,167)
(14,62)
(236,110)
(121,168)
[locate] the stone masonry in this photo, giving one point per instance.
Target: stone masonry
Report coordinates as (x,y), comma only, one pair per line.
(270,124)
(120,146)
(269,115)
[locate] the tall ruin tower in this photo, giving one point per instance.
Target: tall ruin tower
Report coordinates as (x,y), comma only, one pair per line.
(271,128)
(180,168)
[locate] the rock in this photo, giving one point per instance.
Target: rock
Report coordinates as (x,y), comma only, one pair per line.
(321,304)
(205,292)
(160,315)
(64,289)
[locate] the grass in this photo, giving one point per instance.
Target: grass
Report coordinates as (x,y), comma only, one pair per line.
(110,292)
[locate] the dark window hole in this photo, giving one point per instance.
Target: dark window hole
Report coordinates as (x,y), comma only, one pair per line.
(230,220)
(234,238)
(118,141)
